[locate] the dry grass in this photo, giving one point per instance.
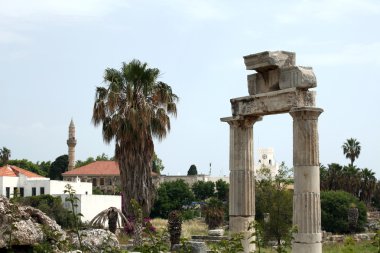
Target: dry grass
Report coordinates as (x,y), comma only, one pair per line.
(189,227)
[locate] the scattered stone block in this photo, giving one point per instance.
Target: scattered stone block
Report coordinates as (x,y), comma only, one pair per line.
(216,232)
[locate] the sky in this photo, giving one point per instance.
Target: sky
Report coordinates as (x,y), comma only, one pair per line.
(53,54)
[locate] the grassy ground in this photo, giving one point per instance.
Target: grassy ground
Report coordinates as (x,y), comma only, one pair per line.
(198,227)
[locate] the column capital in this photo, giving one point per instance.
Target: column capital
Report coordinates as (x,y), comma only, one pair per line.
(241,121)
(306,113)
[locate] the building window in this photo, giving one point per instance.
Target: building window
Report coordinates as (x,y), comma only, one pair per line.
(94,182)
(42,190)
(34,191)
(21,191)
(102,181)
(15,192)
(7,192)
(110,181)
(270,162)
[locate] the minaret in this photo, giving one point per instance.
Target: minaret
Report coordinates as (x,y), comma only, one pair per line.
(71,142)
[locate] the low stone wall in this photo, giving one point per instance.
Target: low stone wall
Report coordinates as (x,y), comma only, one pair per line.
(330,238)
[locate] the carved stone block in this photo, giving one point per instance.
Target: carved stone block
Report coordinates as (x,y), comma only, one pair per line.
(298,77)
(269,60)
(263,82)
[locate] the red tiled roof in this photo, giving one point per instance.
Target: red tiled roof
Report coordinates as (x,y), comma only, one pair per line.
(98,168)
(14,171)
(95,168)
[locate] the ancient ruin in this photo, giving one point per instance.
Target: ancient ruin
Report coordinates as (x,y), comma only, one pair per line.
(279,86)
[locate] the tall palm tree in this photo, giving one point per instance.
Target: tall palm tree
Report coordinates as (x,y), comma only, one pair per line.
(351,148)
(368,184)
(5,154)
(133,108)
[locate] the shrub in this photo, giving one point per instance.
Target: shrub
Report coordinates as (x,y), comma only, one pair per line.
(203,190)
(335,207)
(214,213)
(171,196)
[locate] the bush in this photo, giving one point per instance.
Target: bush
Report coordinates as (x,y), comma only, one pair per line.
(171,196)
(203,190)
(214,213)
(335,206)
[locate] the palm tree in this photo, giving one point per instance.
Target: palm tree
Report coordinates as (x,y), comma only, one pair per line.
(5,154)
(368,184)
(134,108)
(114,216)
(351,148)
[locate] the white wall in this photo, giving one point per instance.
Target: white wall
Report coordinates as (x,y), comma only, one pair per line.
(90,205)
(58,187)
(50,186)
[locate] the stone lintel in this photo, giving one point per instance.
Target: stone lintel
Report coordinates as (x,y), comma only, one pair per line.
(269,60)
(274,102)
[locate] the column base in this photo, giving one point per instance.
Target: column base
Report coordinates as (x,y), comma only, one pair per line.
(307,247)
(240,224)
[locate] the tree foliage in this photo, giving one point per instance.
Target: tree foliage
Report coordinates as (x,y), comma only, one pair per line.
(274,200)
(157,165)
(203,190)
(351,149)
(59,166)
(5,154)
(361,183)
(222,190)
(171,196)
(133,108)
(335,206)
(192,170)
(39,168)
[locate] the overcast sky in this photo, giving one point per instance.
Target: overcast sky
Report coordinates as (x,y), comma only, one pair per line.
(53,54)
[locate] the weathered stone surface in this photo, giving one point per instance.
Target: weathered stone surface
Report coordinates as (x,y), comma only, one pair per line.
(196,247)
(263,82)
(274,102)
(216,232)
(269,60)
(297,77)
(25,225)
(95,240)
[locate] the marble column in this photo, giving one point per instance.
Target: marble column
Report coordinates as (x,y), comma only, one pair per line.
(306,198)
(242,180)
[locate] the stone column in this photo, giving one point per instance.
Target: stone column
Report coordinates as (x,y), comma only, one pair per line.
(242,181)
(306,199)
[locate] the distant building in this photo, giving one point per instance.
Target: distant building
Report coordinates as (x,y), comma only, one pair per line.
(266,159)
(104,175)
(14,180)
(192,179)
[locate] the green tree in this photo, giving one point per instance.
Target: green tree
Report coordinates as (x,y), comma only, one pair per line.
(222,190)
(80,163)
(5,154)
(30,166)
(58,167)
(368,184)
(351,149)
(192,170)
(203,190)
(171,196)
(133,108)
(334,211)
(157,165)
(274,200)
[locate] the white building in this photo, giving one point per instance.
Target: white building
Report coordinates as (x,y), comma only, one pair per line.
(25,183)
(266,159)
